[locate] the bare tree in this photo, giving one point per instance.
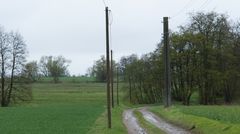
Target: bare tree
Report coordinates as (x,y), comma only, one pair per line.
(18,53)
(43,64)
(4,56)
(12,59)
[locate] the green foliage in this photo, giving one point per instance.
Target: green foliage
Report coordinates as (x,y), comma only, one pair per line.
(54,67)
(184,66)
(143,77)
(31,71)
(204,58)
(99,69)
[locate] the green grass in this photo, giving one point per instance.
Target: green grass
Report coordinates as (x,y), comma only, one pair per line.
(65,108)
(70,107)
(151,129)
(78,107)
(225,114)
(203,118)
(100,126)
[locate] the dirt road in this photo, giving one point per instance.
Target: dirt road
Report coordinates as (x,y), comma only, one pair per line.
(133,127)
(161,124)
(131,123)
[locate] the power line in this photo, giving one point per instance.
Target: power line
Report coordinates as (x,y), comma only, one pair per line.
(204,4)
(110,36)
(110,28)
(190,2)
(111,17)
(183,9)
(107,3)
(104,3)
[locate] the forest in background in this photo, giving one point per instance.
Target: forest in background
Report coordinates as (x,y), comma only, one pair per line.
(205,59)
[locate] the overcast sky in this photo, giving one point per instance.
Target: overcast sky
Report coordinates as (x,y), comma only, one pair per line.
(75,28)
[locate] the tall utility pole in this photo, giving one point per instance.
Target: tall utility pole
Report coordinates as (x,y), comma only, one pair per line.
(117,87)
(167,83)
(112,79)
(108,71)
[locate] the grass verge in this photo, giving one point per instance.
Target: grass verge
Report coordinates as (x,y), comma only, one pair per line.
(197,124)
(100,126)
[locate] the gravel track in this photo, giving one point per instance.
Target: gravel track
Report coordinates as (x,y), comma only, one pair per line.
(162,124)
(131,123)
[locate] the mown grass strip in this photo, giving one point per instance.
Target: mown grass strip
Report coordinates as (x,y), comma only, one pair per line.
(100,126)
(194,123)
(151,129)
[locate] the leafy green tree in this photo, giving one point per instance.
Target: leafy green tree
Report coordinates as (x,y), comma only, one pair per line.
(205,58)
(215,56)
(143,77)
(32,71)
(99,69)
(54,67)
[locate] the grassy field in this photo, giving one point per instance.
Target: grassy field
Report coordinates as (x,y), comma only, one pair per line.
(203,119)
(65,108)
(77,106)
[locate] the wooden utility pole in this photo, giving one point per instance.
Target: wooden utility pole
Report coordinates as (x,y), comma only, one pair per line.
(112,79)
(167,83)
(130,89)
(117,87)
(108,71)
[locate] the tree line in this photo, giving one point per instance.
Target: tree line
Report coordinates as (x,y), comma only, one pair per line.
(99,69)
(205,59)
(48,66)
(17,75)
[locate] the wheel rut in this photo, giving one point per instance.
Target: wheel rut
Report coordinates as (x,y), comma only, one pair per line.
(162,124)
(131,123)
(133,127)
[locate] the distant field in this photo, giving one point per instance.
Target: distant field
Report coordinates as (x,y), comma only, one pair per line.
(65,108)
(82,79)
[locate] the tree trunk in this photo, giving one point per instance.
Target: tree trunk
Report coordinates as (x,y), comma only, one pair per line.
(130,89)
(11,81)
(227,96)
(3,101)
